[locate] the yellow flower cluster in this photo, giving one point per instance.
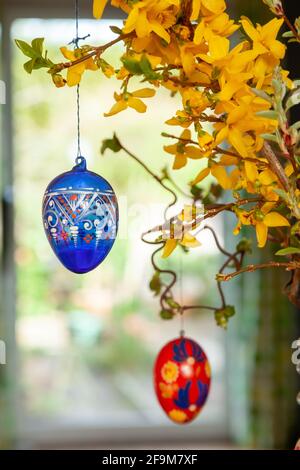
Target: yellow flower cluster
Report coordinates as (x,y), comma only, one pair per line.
(233,98)
(233,118)
(226,93)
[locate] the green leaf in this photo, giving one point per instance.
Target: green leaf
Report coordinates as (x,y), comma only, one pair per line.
(288,34)
(27,49)
(132,66)
(215,73)
(295,126)
(112,144)
(196,192)
(291,250)
(40,62)
(172,303)
(222,315)
(35,64)
(116,30)
(279,85)
(155,283)
(229,311)
(271,137)
(262,94)
(281,193)
(29,66)
(37,44)
(267,114)
(293,100)
(244,246)
(297,24)
(295,231)
(147,69)
(166,314)
(275,6)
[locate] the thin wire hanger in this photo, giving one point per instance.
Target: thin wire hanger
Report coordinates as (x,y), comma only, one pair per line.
(75,41)
(181,332)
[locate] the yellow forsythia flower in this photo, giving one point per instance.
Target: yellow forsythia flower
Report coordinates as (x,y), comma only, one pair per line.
(207,7)
(131,100)
(98,8)
(169,247)
(183,150)
(264,37)
(152,16)
(187,240)
(262,219)
(75,72)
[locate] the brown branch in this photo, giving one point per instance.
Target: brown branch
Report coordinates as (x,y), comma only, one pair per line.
(276,166)
(218,245)
(198,307)
(227,207)
(166,68)
(169,286)
(184,83)
(150,172)
(97,51)
(233,258)
(290,266)
(291,26)
(235,155)
(209,213)
(216,149)
(181,139)
(167,177)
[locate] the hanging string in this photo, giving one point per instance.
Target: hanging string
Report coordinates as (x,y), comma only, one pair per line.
(182,332)
(75,42)
(78,124)
(77,21)
(78,86)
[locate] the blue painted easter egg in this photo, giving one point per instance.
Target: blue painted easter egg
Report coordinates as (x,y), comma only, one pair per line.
(80,217)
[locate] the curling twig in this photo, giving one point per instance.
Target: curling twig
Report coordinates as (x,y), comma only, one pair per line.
(289,266)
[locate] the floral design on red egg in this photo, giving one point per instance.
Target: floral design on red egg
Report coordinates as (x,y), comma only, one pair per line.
(182,379)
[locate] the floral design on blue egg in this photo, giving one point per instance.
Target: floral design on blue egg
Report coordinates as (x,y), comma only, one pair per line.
(80,217)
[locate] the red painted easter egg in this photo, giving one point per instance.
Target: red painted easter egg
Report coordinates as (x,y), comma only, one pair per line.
(298,445)
(182,379)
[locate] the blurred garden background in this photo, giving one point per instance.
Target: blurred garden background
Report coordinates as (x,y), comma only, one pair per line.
(80,349)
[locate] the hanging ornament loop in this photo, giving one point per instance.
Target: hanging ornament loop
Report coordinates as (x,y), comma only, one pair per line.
(76,41)
(80,164)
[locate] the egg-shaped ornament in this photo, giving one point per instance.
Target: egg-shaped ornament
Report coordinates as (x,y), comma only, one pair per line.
(182,379)
(80,217)
(298,445)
